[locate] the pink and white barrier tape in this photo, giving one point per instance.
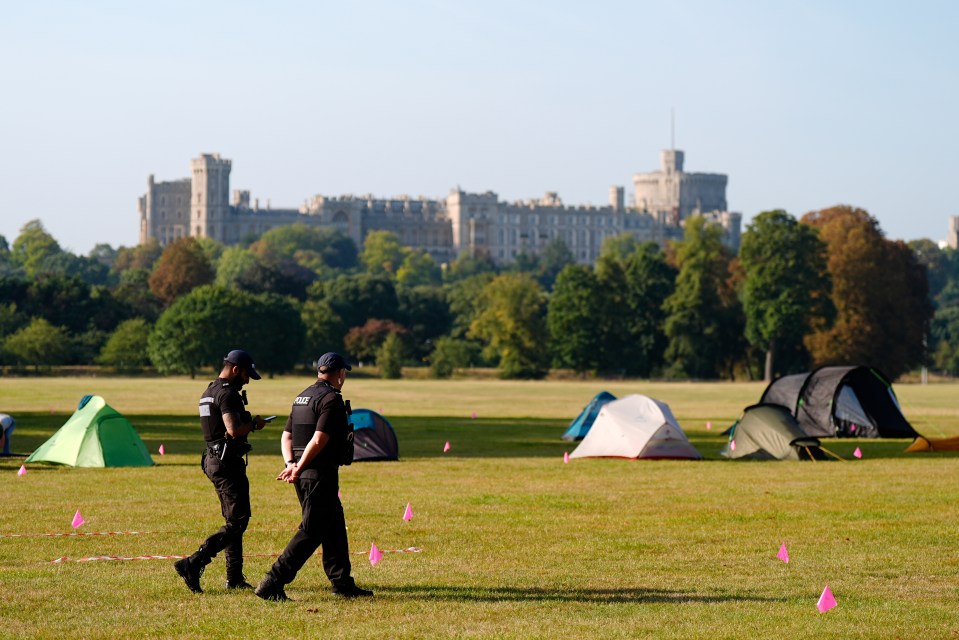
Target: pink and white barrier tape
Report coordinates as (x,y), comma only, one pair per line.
(63,559)
(71,535)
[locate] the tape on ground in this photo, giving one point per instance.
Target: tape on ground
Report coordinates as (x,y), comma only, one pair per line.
(64,559)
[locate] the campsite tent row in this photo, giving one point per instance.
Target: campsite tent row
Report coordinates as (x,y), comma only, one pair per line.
(97,435)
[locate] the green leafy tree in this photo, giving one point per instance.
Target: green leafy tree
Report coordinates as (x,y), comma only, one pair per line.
(389,357)
(618,247)
(233,267)
(182,267)
(880,292)
(104,254)
(39,343)
(573,318)
(359,297)
(63,300)
(467,266)
(325,328)
(418,269)
(425,312)
(126,349)
(450,354)
(649,281)
(786,294)
(936,261)
(511,323)
(316,248)
(200,327)
(133,291)
(464,299)
(142,256)
(33,248)
(382,253)
(701,321)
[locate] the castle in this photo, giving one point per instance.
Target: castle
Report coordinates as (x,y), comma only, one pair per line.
(462,223)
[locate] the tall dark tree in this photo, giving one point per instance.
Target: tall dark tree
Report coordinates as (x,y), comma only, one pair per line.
(786,293)
(650,280)
(700,318)
(573,315)
(425,312)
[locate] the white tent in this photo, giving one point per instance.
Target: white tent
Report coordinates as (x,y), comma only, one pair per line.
(635,427)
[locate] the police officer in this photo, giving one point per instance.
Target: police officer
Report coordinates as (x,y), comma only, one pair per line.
(226,424)
(318,439)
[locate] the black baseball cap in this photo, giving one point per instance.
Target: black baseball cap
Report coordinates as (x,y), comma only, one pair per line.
(241,358)
(332,361)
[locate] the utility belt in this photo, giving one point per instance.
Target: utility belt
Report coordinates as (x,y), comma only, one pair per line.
(226,448)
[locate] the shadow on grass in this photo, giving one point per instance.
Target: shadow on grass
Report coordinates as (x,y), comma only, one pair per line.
(635,595)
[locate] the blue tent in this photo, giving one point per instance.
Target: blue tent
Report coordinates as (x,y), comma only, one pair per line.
(373,437)
(579,427)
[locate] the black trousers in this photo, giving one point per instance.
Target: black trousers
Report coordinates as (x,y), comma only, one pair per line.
(233,489)
(323,525)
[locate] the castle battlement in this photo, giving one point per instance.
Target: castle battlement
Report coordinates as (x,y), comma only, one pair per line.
(461,223)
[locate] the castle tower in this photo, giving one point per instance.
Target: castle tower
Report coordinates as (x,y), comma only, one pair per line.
(210,195)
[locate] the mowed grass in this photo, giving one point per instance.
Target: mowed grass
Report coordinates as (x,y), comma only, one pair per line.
(514,543)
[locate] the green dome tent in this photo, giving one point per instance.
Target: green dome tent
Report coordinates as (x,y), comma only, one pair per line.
(96,435)
(770,432)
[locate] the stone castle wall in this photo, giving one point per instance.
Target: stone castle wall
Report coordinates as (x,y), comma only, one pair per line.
(462,223)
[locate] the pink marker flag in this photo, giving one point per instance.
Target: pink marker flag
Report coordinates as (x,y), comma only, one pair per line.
(408,514)
(446,447)
(857,452)
(22,471)
(566,457)
(473,415)
(77,520)
(339,494)
(732,445)
(709,425)
(162,451)
(375,555)
(826,601)
(783,554)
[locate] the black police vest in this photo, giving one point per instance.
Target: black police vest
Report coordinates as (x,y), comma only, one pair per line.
(306,411)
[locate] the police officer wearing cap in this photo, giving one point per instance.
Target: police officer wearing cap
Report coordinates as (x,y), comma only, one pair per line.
(226,424)
(317,440)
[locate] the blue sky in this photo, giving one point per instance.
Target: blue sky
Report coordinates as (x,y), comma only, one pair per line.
(802,104)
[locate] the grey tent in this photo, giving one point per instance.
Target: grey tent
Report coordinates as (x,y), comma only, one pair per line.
(843,402)
(770,432)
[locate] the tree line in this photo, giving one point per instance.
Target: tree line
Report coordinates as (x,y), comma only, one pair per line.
(828,288)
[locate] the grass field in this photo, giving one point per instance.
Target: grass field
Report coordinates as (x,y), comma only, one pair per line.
(514,543)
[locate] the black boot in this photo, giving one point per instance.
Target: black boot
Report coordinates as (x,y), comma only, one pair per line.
(234,584)
(351,590)
(270,589)
(190,570)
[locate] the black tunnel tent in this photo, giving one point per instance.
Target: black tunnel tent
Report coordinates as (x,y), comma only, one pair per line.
(843,402)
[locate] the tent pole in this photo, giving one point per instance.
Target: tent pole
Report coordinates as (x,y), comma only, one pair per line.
(831,453)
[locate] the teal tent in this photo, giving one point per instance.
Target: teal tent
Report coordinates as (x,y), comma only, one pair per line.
(579,427)
(96,435)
